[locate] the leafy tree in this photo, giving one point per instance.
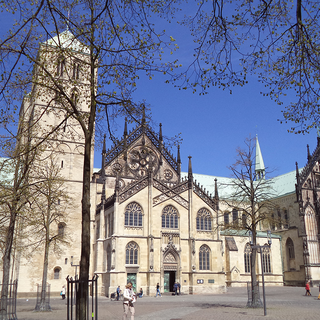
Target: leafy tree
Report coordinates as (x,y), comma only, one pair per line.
(276,39)
(252,193)
(118,45)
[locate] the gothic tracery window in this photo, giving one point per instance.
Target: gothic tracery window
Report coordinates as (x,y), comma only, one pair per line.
(170,217)
(247,258)
(235,216)
(204,258)
(204,220)
(133,215)
(132,253)
(266,260)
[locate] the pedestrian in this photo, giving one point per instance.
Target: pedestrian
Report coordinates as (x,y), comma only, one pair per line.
(175,288)
(129,299)
(179,288)
(158,290)
(63,292)
(319,293)
(140,293)
(308,289)
(118,293)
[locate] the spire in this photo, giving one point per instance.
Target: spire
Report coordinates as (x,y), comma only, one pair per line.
(125,134)
(190,176)
(179,162)
(103,157)
(143,121)
(103,173)
(259,165)
(178,156)
(216,195)
(160,142)
(308,153)
(297,171)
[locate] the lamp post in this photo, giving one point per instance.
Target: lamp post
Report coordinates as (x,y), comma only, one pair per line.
(76,266)
(259,250)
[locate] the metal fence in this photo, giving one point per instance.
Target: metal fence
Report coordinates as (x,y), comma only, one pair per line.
(74,289)
(12,300)
(43,304)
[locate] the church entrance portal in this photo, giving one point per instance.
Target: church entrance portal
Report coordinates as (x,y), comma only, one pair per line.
(169,279)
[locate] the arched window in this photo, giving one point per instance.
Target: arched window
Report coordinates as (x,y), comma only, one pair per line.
(247,258)
(132,253)
(170,217)
(76,70)
(61,229)
(290,254)
(133,215)
(286,218)
(204,220)
(226,218)
(279,224)
(56,273)
(244,220)
(204,258)
(266,260)
(60,66)
(235,216)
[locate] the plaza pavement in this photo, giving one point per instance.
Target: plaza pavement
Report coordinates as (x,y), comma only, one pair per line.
(282,303)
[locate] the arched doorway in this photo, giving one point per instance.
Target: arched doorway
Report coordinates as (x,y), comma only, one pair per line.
(170,267)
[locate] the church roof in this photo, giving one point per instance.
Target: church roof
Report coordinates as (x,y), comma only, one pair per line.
(67,40)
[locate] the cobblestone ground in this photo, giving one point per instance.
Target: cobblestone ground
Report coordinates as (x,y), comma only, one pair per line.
(282,303)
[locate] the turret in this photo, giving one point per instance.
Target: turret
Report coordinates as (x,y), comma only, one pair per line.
(259,164)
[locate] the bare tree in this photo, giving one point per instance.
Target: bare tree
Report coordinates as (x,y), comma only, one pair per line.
(45,221)
(252,193)
(276,39)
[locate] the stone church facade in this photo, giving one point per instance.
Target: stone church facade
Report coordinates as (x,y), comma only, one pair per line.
(153,223)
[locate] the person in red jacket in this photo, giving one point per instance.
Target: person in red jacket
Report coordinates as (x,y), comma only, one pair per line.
(308,289)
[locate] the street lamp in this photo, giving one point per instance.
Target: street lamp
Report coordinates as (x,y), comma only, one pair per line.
(76,266)
(259,250)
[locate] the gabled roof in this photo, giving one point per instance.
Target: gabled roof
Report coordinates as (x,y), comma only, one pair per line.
(67,40)
(118,148)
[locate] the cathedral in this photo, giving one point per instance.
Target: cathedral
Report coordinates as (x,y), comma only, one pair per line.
(152,222)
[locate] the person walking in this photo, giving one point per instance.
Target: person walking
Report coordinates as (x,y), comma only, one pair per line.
(175,288)
(158,290)
(308,293)
(63,292)
(179,288)
(118,293)
(319,293)
(128,301)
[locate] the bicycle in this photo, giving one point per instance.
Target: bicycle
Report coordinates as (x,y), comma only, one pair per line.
(113,296)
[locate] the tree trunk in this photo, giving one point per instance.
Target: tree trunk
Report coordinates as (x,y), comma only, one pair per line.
(42,305)
(6,262)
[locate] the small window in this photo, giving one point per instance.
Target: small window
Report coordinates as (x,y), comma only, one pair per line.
(247,258)
(60,67)
(244,220)
(56,272)
(266,260)
(235,216)
(226,218)
(61,163)
(61,227)
(75,71)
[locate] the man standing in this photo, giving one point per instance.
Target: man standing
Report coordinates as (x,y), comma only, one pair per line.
(118,293)
(175,288)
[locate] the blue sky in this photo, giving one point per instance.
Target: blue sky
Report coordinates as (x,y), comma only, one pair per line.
(214,125)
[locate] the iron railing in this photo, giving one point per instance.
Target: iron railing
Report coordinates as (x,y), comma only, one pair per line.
(11,300)
(74,289)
